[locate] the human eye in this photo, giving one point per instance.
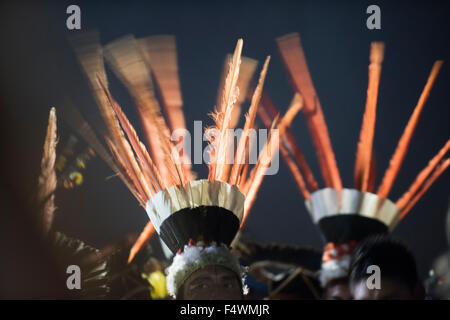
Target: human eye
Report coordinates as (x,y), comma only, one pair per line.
(229,284)
(199,286)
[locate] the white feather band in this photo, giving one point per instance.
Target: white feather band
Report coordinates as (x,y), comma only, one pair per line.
(330,202)
(194,194)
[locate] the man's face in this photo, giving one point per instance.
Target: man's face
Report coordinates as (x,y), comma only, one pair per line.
(212,283)
(389,290)
(338,291)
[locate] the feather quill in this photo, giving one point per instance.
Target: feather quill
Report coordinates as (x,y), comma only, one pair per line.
(246,72)
(426,185)
(125,57)
(82,127)
(365,144)
(403,144)
(294,59)
(422,176)
(89,53)
(220,166)
(267,154)
(269,111)
(145,235)
(160,53)
(125,174)
(249,124)
(47,180)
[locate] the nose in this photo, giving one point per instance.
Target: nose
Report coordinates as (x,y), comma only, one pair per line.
(214,293)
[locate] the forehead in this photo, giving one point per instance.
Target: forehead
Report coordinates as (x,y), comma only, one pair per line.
(211,272)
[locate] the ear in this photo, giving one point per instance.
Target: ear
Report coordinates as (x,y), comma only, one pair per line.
(419,292)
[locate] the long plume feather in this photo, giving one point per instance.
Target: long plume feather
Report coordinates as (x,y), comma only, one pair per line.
(47,179)
(249,124)
(403,144)
(422,176)
(426,185)
(365,144)
(294,59)
(267,155)
(125,57)
(223,120)
(145,235)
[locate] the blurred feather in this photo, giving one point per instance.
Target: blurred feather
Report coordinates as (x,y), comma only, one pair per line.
(125,57)
(47,180)
(220,168)
(247,70)
(160,53)
(89,53)
(82,127)
(126,152)
(403,144)
(94,272)
(365,144)
(145,235)
(239,159)
(425,186)
(298,165)
(295,62)
(422,176)
(127,279)
(266,155)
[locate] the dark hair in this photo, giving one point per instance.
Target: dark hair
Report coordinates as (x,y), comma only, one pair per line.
(392,257)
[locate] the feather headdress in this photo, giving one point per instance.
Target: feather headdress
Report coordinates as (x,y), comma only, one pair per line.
(345,214)
(180,208)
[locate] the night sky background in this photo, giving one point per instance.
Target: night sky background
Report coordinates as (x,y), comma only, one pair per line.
(39,70)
